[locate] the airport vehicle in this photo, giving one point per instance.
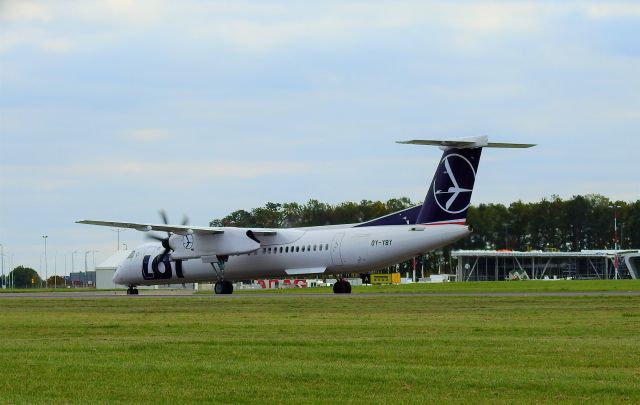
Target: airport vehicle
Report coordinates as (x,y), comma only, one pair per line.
(223,254)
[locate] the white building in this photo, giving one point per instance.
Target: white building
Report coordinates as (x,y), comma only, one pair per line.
(106,270)
(491,265)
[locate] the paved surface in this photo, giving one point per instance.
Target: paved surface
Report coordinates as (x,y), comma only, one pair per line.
(186,294)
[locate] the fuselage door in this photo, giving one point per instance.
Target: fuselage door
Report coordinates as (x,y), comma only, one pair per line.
(336,254)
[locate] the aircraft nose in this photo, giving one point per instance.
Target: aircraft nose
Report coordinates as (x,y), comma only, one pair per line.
(117,276)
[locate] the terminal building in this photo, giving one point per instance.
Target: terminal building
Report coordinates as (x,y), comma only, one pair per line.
(488,265)
(82,279)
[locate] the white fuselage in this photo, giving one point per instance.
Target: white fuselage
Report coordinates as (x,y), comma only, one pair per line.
(296,252)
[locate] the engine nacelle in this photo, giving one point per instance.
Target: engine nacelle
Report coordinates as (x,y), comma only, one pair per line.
(231,242)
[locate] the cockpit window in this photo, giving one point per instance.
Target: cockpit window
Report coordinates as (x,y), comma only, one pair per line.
(133,252)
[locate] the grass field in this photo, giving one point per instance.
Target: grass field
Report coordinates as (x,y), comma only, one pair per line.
(470,287)
(320,349)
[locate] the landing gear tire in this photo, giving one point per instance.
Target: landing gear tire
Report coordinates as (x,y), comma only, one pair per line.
(223,287)
(132,290)
(342,286)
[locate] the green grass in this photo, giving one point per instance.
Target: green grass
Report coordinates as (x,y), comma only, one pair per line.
(469,287)
(321,349)
(53,290)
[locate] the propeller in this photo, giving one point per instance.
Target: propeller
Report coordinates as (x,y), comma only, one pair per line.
(165,241)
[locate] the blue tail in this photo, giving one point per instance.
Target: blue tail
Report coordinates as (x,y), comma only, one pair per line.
(449,195)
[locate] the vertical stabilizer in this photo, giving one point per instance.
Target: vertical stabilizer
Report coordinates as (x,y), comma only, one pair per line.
(450,191)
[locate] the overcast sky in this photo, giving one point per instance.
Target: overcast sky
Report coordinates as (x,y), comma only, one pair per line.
(114,109)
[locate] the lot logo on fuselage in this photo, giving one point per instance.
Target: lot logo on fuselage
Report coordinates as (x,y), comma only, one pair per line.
(187,241)
(449,191)
(161,267)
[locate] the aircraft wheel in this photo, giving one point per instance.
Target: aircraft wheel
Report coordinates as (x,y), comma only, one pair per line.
(218,288)
(132,291)
(342,286)
(228,287)
(347,287)
(223,287)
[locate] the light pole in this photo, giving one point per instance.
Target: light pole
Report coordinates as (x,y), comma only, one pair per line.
(73,266)
(85,266)
(13,276)
(118,230)
(86,271)
(2,258)
(46,270)
(615,225)
(65,270)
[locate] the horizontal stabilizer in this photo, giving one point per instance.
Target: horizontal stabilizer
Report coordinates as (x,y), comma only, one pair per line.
(466,143)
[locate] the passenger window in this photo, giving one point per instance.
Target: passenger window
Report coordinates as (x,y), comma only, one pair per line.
(286,249)
(320,247)
(280,249)
(303,248)
(297,248)
(309,248)
(326,246)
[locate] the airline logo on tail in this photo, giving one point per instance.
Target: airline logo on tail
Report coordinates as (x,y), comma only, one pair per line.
(449,195)
(447,191)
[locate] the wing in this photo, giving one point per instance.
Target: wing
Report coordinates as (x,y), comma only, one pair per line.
(177,229)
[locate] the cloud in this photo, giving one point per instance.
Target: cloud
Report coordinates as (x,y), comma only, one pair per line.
(25,11)
(613,10)
(167,173)
(148,134)
(254,27)
(258,27)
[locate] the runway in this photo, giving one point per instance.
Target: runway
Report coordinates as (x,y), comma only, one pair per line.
(190,294)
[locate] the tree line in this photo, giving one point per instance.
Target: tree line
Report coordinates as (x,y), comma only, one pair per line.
(554,224)
(551,224)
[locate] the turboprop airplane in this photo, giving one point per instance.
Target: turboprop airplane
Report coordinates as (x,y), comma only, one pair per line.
(224,254)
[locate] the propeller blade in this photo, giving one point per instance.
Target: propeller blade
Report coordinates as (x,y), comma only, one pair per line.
(163,215)
(154,237)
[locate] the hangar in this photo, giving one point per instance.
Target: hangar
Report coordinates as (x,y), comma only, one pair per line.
(106,270)
(492,265)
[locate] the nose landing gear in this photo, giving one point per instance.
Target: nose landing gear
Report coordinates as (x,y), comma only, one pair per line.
(132,290)
(222,286)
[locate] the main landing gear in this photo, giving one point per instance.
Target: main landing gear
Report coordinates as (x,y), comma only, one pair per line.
(342,286)
(132,290)
(222,286)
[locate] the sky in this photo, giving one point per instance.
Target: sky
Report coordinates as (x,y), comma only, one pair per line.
(112,110)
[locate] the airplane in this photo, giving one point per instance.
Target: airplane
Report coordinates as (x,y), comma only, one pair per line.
(191,254)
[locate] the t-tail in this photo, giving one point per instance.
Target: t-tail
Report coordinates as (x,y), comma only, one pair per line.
(449,195)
